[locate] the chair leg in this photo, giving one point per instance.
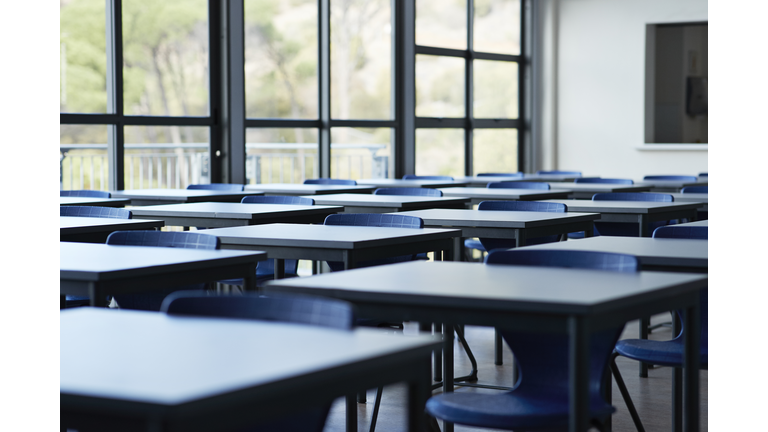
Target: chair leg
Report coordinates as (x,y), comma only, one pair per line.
(376,405)
(624,393)
(473,374)
(498,348)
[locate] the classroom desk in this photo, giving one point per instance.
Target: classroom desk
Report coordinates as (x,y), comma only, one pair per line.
(292,189)
(98,270)
(693,197)
(483,181)
(390,183)
(143,197)
(96,230)
(480,194)
(150,371)
(572,301)
(670,185)
(89,201)
(641,212)
(216,214)
(586,190)
(359,203)
(349,244)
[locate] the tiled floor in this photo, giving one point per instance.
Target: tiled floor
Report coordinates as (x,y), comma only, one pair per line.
(652,395)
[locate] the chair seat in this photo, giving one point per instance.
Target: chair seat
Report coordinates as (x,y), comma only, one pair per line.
(662,353)
(75,301)
(474,244)
(517,410)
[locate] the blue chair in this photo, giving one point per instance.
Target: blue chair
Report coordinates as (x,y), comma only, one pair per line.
(704,174)
(218,187)
(664,353)
(434,177)
(277,199)
(629,229)
(151,301)
(95,211)
(558,172)
(695,189)
(518,185)
(603,180)
(409,191)
(670,177)
(85,193)
(328,181)
(539,399)
(321,312)
(515,174)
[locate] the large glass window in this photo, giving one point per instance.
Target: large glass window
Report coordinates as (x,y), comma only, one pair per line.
(170,157)
(441,23)
(440,152)
(83,71)
(280,155)
(494,150)
(439,86)
(83,157)
(495,89)
(358,153)
(497,26)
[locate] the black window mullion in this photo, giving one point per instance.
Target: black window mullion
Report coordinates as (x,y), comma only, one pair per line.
(215,88)
(469,91)
(115,132)
(324,75)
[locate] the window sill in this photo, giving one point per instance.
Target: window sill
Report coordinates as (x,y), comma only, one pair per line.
(673,147)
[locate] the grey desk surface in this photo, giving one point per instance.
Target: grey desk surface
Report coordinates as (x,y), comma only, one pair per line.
(307,189)
(392,201)
(634,207)
(483,181)
(181,195)
(88,201)
(82,225)
(593,188)
(388,183)
(670,254)
(690,197)
(101,262)
(496,219)
(151,363)
(504,194)
(325,236)
(671,185)
(703,223)
(464,286)
(218,210)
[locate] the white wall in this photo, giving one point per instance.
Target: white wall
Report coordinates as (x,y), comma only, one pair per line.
(600,62)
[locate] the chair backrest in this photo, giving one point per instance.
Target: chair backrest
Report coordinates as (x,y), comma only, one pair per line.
(85,193)
(518,185)
(218,186)
(683,232)
(633,196)
(704,174)
(374,220)
(409,191)
(277,199)
(177,239)
(603,180)
(624,263)
(515,174)
(670,177)
(329,181)
(432,177)
(558,172)
(534,206)
(695,189)
(323,312)
(94,211)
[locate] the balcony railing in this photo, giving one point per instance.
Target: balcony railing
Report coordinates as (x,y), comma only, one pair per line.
(84,166)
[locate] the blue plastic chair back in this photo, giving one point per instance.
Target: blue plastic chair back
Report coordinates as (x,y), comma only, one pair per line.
(433,177)
(515,174)
(329,181)
(695,189)
(670,177)
(218,187)
(277,199)
(558,172)
(603,180)
(409,191)
(704,174)
(175,239)
(85,193)
(682,232)
(633,196)
(95,211)
(539,400)
(518,185)
(490,243)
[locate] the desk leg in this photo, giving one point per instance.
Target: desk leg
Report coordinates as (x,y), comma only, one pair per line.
(351,413)
(578,374)
(63,301)
(644,324)
(677,386)
(279,268)
(643,222)
(499,348)
(249,282)
(98,299)
(418,392)
(691,340)
(447,366)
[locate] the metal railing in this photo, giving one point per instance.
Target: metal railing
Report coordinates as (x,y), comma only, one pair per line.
(85,166)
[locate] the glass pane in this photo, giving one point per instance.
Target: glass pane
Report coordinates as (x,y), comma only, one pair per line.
(495,89)
(83,71)
(165,65)
(83,157)
(358,153)
(497,26)
(170,157)
(494,150)
(440,152)
(441,23)
(439,86)
(361,59)
(281,59)
(276,155)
